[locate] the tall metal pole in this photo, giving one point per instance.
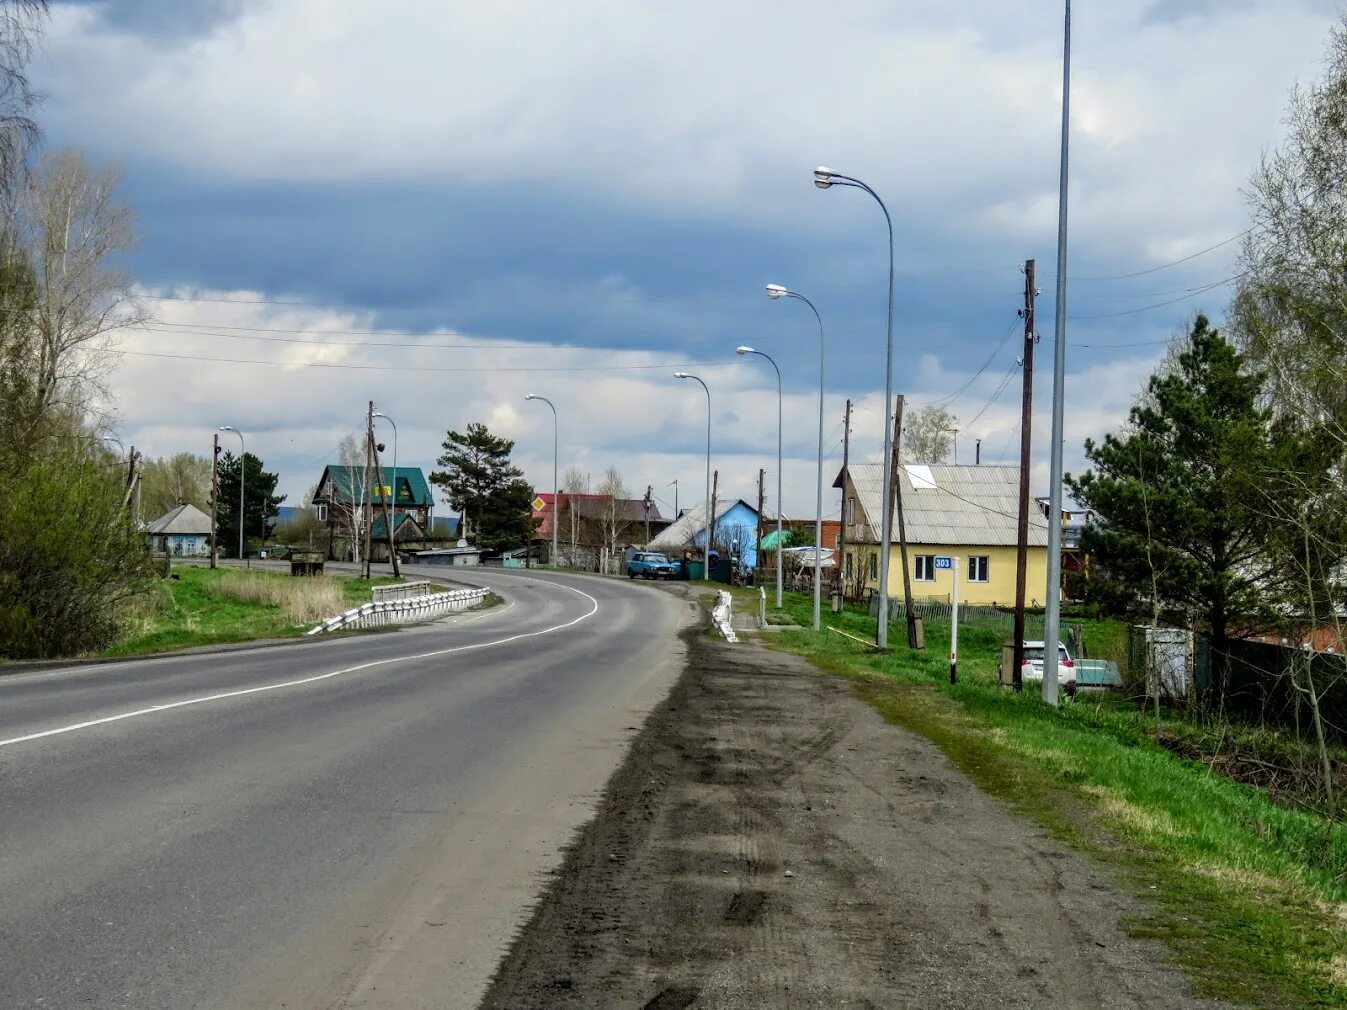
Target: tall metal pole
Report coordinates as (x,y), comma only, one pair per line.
(706,555)
(214,499)
(243,451)
(556,481)
(825,178)
(1052,618)
(749,350)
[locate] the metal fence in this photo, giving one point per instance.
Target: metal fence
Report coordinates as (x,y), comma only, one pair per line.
(401,591)
(969,616)
(428,607)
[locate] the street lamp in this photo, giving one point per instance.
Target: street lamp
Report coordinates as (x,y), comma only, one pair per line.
(775,291)
(707,554)
(243,453)
(393,511)
(556,486)
(826,178)
(762,354)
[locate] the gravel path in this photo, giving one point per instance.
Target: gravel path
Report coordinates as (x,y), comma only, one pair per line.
(771,842)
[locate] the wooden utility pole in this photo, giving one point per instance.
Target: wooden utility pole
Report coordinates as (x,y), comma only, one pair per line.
(912,640)
(384,496)
(757,555)
(711,521)
(1026,417)
(214,501)
(842,526)
(367,499)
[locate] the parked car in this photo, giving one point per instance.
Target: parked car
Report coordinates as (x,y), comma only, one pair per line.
(651,565)
(1033,664)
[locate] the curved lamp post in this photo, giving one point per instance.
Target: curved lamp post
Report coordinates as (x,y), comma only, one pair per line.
(826,178)
(243,452)
(762,354)
(556,486)
(775,291)
(707,554)
(393,505)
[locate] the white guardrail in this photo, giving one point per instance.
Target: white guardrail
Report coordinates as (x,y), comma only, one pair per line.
(382,613)
(720,614)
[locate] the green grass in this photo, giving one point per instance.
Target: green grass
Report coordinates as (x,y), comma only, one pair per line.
(1249,894)
(194,610)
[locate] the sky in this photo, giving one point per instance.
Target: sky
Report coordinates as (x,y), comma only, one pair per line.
(442,207)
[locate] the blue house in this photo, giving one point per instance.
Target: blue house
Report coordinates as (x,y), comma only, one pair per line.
(735,533)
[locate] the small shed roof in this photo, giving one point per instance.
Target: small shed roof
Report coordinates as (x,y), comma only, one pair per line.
(185,520)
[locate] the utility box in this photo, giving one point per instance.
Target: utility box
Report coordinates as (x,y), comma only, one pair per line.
(1008,663)
(306,563)
(917,633)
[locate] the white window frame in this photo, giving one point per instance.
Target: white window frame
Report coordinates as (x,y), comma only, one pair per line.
(851,512)
(320,511)
(923,563)
(976,562)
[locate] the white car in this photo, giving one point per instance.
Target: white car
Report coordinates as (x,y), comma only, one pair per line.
(1033,664)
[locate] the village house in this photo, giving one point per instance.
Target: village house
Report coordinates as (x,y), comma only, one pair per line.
(734,533)
(345,506)
(966,512)
(182,532)
(589,524)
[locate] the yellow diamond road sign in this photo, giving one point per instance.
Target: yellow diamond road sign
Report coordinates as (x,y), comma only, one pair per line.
(538,504)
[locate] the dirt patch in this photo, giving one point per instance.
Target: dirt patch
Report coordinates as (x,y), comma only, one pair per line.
(771,841)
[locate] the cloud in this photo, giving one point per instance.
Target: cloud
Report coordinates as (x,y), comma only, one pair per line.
(621,408)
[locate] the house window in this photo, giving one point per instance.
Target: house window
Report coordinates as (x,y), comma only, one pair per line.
(851,512)
(320,512)
(977,569)
(925,564)
(849,566)
(874,567)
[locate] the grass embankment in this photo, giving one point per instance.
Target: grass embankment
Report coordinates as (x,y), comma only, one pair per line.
(1249,894)
(206,606)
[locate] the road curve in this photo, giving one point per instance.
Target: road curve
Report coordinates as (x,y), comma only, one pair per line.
(356,822)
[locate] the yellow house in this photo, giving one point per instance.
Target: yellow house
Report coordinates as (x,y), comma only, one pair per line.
(969,513)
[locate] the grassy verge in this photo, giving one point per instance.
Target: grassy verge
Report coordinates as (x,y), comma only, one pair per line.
(206,606)
(1250,895)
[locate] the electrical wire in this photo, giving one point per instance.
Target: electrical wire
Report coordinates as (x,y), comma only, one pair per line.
(418,368)
(1174,263)
(936,404)
(1159,305)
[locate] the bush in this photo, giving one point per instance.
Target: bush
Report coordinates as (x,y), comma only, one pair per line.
(67,568)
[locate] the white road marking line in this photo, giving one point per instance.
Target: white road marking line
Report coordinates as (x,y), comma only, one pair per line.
(75,727)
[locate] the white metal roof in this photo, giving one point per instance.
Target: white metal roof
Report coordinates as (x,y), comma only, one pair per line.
(693,523)
(185,520)
(951,504)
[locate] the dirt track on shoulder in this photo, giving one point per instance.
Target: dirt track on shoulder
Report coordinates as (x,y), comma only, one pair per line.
(772,842)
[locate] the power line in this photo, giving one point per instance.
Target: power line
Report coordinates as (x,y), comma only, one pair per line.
(418,368)
(976,375)
(1174,263)
(1171,301)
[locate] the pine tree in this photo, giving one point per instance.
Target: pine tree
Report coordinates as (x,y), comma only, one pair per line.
(479,480)
(1191,499)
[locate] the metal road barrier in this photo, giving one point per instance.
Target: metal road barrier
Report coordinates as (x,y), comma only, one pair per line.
(720,614)
(401,591)
(427,607)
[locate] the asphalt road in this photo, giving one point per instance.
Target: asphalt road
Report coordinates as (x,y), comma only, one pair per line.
(357,822)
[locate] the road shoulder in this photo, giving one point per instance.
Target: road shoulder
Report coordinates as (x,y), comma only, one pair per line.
(771,841)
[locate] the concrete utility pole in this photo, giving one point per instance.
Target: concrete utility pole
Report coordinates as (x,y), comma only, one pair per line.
(895,481)
(243,458)
(214,500)
(1052,618)
(1026,420)
(674,484)
(842,512)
